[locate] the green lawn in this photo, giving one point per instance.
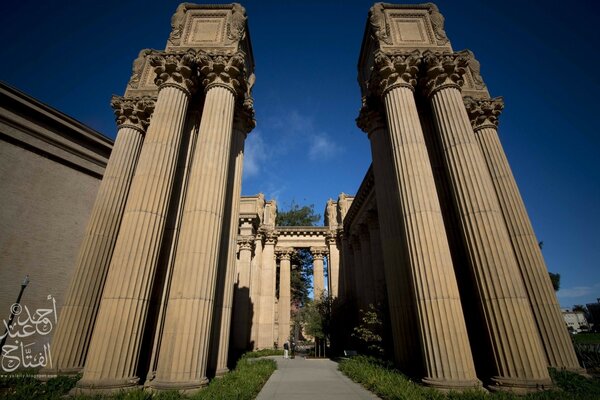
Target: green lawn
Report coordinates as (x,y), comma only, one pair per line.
(587,338)
(243,383)
(389,384)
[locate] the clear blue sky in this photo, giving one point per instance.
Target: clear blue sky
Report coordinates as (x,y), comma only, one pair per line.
(541,56)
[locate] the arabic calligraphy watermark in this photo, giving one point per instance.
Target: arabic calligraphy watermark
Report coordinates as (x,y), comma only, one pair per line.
(19,353)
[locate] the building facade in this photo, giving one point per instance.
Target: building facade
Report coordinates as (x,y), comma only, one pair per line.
(173,268)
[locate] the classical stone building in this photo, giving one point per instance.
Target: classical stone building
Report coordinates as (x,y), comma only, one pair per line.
(437,232)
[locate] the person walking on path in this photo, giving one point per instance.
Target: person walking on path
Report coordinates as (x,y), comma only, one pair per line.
(286,348)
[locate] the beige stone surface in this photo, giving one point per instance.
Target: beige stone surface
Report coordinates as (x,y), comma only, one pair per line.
(519,360)
(266,332)
(285,294)
(80,309)
(318,254)
(544,304)
(115,346)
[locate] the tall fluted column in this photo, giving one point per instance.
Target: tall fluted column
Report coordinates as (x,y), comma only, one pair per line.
(241,299)
(255,283)
(266,330)
(519,360)
(368,282)
(318,272)
(115,346)
(445,349)
(183,356)
(243,122)
(333,265)
(74,330)
(357,273)
(380,295)
(546,310)
(284,294)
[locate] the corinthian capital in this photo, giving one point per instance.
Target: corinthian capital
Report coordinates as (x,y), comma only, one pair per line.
(443,70)
(393,70)
(226,70)
(133,112)
(484,113)
(318,253)
(284,253)
(370,118)
(246,242)
(175,69)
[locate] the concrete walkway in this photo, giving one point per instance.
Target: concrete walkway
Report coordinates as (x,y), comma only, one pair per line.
(311,379)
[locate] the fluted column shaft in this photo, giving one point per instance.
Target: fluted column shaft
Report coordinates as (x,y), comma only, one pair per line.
(377,261)
(546,310)
(115,345)
(266,333)
(183,357)
(241,298)
(255,288)
(74,331)
(228,249)
(443,335)
(518,356)
(284,297)
(357,273)
(318,274)
(368,282)
(333,267)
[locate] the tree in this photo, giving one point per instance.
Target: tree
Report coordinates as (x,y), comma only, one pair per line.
(302,259)
(555,278)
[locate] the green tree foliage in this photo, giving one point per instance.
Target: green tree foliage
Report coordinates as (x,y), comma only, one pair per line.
(369,331)
(555,278)
(302,259)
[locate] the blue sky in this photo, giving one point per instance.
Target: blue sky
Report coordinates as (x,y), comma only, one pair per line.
(540,56)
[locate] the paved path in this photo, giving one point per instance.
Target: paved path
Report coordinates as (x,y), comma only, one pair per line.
(311,379)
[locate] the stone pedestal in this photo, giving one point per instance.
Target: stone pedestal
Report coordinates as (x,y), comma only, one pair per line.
(546,310)
(519,360)
(266,334)
(74,331)
(284,294)
(445,349)
(183,355)
(114,350)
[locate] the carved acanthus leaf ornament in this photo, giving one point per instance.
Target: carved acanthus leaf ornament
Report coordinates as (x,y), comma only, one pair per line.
(175,69)
(392,70)
(227,70)
(133,112)
(246,242)
(443,70)
(484,113)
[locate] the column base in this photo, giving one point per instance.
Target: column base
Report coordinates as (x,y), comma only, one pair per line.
(221,372)
(106,386)
(519,386)
(189,387)
(446,385)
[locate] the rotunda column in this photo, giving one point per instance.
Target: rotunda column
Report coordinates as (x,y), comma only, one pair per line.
(318,271)
(266,330)
(404,181)
(241,321)
(284,293)
(74,331)
(183,355)
(519,361)
(115,347)
(546,310)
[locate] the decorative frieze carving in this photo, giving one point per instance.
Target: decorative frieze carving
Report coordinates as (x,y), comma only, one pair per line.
(443,70)
(393,70)
(484,113)
(175,69)
(133,112)
(226,70)
(379,25)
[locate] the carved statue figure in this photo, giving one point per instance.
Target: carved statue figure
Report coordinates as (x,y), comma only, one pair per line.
(379,24)
(331,213)
(177,24)
(137,67)
(437,20)
(237,27)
